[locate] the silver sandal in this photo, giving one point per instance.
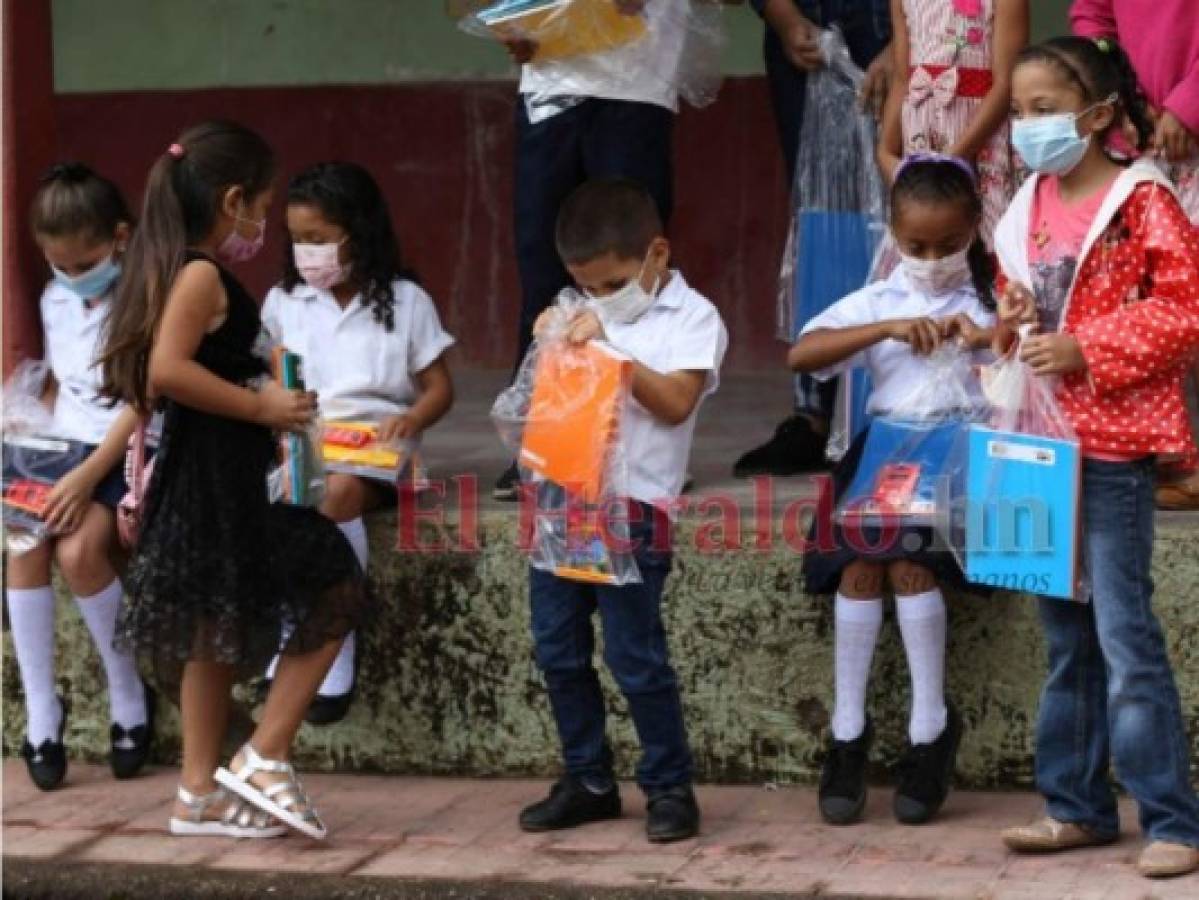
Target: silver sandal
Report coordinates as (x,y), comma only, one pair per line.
(240,820)
(284,800)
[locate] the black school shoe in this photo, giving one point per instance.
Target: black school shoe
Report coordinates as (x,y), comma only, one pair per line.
(569,804)
(925,773)
(126,762)
(47,763)
(507,487)
(326,710)
(672,815)
(843,778)
(795,448)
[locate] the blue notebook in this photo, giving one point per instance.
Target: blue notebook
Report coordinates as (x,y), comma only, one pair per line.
(1022,497)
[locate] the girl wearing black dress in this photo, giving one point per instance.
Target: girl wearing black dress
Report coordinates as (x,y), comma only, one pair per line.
(218,568)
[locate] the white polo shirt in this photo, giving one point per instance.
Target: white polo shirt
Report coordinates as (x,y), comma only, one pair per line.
(893,368)
(73,337)
(644,71)
(358,368)
(681,331)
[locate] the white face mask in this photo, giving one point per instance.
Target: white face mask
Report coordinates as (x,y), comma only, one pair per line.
(319,265)
(628,304)
(935,277)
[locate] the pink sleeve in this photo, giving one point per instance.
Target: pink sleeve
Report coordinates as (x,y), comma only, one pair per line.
(1093,18)
(1183,101)
(1137,341)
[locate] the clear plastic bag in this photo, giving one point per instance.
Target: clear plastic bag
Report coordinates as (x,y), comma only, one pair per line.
(354,448)
(849,412)
(563,418)
(24,411)
(32,465)
(299,478)
(1020,524)
(673,43)
(838,197)
(913,463)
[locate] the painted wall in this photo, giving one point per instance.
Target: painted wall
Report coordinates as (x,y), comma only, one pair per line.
(172,44)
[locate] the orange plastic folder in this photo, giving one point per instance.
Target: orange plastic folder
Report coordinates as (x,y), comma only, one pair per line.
(579,396)
(563,28)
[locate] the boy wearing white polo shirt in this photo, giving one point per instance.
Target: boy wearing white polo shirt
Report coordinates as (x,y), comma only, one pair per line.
(609,234)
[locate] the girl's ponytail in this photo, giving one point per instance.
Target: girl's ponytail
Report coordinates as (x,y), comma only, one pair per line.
(1132,98)
(982,272)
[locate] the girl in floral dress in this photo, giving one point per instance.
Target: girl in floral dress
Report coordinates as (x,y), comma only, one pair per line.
(958,56)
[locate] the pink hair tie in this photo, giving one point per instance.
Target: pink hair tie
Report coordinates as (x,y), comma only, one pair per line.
(176,150)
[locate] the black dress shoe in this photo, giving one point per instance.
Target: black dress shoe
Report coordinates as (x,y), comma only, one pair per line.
(843,778)
(672,815)
(925,772)
(47,763)
(507,487)
(569,804)
(325,710)
(795,448)
(131,748)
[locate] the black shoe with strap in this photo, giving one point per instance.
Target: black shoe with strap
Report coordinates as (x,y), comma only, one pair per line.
(47,762)
(796,447)
(843,778)
(672,815)
(571,803)
(131,747)
(507,486)
(925,773)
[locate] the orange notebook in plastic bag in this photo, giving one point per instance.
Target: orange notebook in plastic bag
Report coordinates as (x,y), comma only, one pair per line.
(563,28)
(579,396)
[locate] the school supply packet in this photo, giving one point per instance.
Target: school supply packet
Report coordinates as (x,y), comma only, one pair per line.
(299,478)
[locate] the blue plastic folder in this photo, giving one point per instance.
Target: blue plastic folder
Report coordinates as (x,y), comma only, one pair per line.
(860,386)
(1022,496)
(835,250)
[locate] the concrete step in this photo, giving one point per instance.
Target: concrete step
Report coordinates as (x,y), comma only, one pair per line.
(426,837)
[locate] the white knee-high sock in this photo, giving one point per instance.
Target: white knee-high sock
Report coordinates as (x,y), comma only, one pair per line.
(857,623)
(31,615)
(126,693)
(341,674)
(922,621)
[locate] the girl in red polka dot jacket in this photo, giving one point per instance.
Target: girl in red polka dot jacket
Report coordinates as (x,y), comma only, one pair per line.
(1102,259)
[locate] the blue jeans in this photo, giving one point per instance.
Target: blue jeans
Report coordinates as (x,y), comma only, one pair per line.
(636,654)
(1110,693)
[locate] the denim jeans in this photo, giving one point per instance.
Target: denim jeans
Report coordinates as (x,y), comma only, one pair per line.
(636,655)
(1110,693)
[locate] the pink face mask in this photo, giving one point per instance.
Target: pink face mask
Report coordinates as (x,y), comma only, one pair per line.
(319,265)
(237,249)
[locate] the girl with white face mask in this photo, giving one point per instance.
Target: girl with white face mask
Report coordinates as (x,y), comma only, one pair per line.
(940,292)
(372,345)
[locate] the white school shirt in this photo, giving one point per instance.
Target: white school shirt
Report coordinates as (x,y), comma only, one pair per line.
(72,335)
(358,369)
(894,369)
(681,331)
(644,71)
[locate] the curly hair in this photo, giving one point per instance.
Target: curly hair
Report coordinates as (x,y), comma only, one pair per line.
(347,195)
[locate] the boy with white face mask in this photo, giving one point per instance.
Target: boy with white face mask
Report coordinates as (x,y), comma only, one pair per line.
(609,235)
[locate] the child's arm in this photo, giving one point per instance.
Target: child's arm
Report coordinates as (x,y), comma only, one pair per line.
(436,398)
(1011,35)
(824,347)
(890,141)
(69,498)
(669,396)
(196,303)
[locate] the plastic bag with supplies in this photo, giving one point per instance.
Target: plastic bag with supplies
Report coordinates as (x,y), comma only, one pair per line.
(913,464)
(299,478)
(1020,530)
(354,448)
(674,44)
(838,197)
(563,418)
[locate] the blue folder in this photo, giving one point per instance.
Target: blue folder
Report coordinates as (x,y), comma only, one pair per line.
(1022,497)
(835,251)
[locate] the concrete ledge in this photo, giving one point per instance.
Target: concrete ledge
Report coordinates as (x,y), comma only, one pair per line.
(448,683)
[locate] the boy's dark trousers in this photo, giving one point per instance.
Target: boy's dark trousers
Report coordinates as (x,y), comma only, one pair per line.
(593,139)
(636,654)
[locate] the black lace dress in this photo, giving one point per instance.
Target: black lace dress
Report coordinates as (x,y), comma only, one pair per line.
(218,569)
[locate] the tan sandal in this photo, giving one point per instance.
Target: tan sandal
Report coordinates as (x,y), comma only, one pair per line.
(285,800)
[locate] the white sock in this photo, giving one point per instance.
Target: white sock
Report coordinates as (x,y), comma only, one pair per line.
(126,693)
(31,615)
(341,675)
(856,632)
(922,621)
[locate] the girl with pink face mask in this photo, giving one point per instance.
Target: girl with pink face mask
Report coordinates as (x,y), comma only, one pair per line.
(371,342)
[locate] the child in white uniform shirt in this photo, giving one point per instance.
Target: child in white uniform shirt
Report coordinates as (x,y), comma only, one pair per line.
(82,225)
(942,291)
(610,236)
(371,342)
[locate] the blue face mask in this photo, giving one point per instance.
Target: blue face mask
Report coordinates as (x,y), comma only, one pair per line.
(1051,144)
(93,283)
